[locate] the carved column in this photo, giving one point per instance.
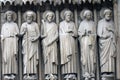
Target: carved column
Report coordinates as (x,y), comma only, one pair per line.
(59,68)
(78,56)
(118,39)
(0,47)
(20,58)
(97,52)
(40,66)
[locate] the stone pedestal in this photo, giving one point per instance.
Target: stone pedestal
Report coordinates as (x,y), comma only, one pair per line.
(107,77)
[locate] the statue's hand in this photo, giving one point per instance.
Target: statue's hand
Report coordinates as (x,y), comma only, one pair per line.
(105,36)
(43,36)
(2,38)
(33,39)
(69,56)
(90,46)
(69,31)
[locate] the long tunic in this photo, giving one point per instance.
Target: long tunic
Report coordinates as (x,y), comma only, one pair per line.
(67,33)
(106,45)
(9,45)
(87,33)
(50,47)
(30,49)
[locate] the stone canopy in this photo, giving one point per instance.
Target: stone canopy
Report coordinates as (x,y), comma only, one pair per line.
(55,2)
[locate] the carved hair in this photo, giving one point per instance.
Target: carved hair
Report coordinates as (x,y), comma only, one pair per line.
(106,11)
(66,11)
(48,12)
(103,11)
(31,13)
(14,16)
(85,13)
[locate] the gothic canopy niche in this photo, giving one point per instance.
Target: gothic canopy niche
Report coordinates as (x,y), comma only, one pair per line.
(51,1)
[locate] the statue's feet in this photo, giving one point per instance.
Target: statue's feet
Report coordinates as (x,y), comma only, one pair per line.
(6,77)
(12,76)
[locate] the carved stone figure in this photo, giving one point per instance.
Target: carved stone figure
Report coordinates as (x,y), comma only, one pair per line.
(9,45)
(68,33)
(31,33)
(87,38)
(107,44)
(49,34)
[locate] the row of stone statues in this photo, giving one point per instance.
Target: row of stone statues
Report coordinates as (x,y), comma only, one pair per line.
(67,34)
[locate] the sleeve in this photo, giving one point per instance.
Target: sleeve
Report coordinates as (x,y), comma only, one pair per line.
(37,30)
(99,29)
(2,32)
(42,31)
(22,30)
(60,28)
(81,29)
(17,29)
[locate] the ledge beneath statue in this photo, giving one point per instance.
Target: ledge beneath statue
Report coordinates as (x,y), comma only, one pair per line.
(107,77)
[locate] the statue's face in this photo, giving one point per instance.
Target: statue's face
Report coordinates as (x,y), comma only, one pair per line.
(49,18)
(9,17)
(29,18)
(88,16)
(68,17)
(108,16)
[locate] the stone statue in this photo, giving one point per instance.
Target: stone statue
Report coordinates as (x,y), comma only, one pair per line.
(107,44)
(87,38)
(30,32)
(49,34)
(68,34)
(9,45)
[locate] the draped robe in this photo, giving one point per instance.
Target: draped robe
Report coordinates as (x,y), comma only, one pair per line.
(107,46)
(30,49)
(67,33)
(50,47)
(87,33)
(9,45)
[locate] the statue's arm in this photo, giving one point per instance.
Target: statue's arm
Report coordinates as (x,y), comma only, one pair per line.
(17,30)
(23,30)
(75,34)
(38,31)
(81,31)
(2,33)
(43,34)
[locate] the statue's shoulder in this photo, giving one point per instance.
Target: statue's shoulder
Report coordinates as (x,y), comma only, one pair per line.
(35,23)
(14,23)
(24,24)
(62,22)
(72,22)
(83,22)
(101,21)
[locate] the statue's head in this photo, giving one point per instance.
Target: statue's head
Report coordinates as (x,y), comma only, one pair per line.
(10,16)
(87,15)
(68,15)
(49,16)
(107,14)
(29,16)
